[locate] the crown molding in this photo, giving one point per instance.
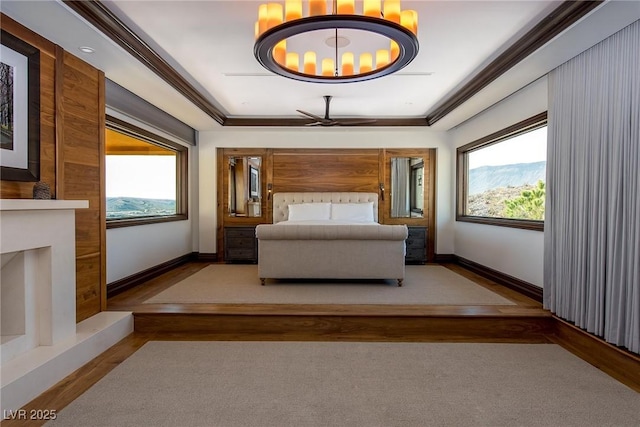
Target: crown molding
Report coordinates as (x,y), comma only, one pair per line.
(561,18)
(241,121)
(98,15)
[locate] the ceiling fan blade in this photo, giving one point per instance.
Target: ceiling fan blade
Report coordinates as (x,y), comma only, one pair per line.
(313,116)
(315,124)
(355,122)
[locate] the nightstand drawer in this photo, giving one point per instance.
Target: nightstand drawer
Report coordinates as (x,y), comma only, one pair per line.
(240,232)
(415,254)
(239,243)
(415,243)
(247,254)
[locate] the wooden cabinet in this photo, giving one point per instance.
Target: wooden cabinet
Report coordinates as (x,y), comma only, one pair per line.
(240,245)
(416,245)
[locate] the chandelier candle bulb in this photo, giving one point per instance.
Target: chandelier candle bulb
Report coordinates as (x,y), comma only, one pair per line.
(310,63)
(415,22)
(317,7)
(346,7)
(395,50)
(382,58)
(347,64)
(280,52)
(372,8)
(408,20)
(293,61)
(274,15)
(262,18)
(292,10)
(366,63)
(328,68)
(392,10)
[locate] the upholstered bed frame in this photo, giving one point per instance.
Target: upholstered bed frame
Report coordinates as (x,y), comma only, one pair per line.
(355,251)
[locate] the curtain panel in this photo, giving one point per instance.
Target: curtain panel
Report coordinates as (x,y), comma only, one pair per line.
(592,225)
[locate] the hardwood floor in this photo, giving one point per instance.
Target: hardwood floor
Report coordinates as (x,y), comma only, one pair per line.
(525,321)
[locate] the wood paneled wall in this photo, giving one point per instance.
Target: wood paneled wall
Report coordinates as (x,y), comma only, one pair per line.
(80,127)
(325,170)
(72,157)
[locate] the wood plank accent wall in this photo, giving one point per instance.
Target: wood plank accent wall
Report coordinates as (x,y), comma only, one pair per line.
(72,157)
(325,170)
(24,190)
(80,174)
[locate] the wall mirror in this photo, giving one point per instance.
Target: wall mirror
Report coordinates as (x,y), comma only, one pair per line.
(244,190)
(407,187)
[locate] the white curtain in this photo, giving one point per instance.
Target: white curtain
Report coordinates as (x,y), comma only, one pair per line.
(592,220)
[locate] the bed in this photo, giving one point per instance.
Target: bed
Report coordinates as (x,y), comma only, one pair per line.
(329,236)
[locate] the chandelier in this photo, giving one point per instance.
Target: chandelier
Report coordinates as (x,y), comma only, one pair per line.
(338,47)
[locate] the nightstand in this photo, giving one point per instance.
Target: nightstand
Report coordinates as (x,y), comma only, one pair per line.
(416,246)
(240,245)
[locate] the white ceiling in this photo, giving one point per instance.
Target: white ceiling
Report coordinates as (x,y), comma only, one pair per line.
(210,43)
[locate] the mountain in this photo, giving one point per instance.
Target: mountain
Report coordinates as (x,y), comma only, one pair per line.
(488,177)
(137,206)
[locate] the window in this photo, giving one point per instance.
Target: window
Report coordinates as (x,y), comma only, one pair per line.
(146,176)
(501,178)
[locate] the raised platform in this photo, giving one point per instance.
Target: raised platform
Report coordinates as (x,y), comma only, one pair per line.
(346,322)
(525,321)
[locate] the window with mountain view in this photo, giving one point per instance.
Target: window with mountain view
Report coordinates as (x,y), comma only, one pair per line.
(501,178)
(144,177)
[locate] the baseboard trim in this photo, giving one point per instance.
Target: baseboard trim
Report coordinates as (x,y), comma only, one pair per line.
(619,363)
(119,286)
(207,257)
(525,288)
(444,258)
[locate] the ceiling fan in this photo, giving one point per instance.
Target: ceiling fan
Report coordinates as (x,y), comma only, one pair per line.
(328,121)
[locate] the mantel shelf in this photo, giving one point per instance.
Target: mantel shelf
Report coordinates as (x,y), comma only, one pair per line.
(31,204)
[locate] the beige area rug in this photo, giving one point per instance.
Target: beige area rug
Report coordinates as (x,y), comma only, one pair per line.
(423,285)
(308,384)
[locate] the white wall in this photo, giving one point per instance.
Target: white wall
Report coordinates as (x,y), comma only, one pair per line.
(131,250)
(325,138)
(516,252)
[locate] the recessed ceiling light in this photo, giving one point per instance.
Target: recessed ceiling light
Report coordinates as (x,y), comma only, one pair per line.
(86,49)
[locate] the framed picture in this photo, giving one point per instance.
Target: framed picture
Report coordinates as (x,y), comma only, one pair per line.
(254,182)
(19,109)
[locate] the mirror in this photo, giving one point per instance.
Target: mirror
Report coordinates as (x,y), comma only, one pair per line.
(244,192)
(407,187)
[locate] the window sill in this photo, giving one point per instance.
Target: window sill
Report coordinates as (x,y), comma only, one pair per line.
(524,224)
(131,222)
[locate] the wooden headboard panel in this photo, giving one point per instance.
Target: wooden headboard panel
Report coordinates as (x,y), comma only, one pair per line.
(326,170)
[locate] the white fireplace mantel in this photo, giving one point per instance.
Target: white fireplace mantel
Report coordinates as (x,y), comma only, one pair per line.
(41,342)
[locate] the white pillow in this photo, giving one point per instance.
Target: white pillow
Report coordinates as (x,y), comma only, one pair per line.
(309,211)
(353,212)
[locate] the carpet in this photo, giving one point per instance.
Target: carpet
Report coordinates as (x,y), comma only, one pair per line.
(232,283)
(307,384)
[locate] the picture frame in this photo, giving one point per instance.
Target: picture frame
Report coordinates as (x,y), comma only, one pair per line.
(19,109)
(254,182)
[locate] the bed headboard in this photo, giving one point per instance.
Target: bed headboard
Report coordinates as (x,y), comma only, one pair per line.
(281,201)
